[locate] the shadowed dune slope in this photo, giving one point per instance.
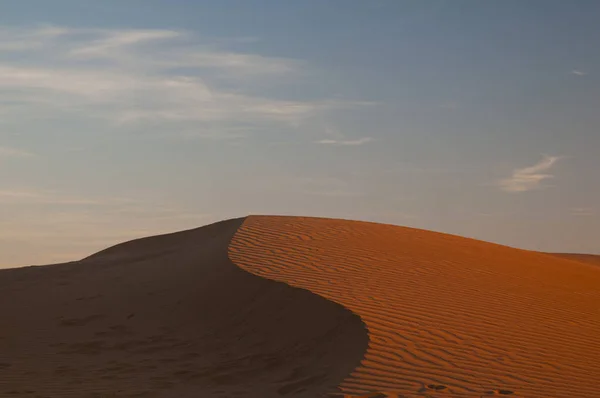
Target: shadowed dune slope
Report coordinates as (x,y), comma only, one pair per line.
(169,316)
(447,316)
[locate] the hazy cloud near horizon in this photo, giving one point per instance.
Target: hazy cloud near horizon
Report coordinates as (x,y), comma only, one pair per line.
(116,124)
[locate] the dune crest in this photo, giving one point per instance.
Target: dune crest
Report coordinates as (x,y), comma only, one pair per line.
(169,316)
(447,316)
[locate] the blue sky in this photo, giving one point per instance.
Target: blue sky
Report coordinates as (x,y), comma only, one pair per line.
(125,119)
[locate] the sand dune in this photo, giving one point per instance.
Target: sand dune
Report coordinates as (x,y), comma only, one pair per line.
(302,307)
(593,259)
(447,316)
(169,316)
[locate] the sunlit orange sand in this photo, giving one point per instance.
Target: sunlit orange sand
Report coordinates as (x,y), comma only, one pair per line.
(302,307)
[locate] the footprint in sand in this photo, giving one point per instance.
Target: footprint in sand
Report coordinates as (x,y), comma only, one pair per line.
(436,387)
(499,392)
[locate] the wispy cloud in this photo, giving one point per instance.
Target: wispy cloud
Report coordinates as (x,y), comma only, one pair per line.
(359,141)
(177,49)
(529,178)
(112,43)
(336,138)
(134,77)
(578,72)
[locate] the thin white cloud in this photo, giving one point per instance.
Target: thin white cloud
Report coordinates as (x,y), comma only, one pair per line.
(145,76)
(142,48)
(246,64)
(126,48)
(337,138)
(151,98)
(82,84)
(115,41)
(578,72)
(529,178)
(14,152)
(356,142)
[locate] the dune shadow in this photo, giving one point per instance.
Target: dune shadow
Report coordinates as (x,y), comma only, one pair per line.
(168,316)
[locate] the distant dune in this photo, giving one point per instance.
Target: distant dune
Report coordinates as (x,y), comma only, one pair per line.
(271,306)
(585,258)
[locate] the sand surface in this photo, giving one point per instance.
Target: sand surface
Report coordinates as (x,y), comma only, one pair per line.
(303,307)
(447,316)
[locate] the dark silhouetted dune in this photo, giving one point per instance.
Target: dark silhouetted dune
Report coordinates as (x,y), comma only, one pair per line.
(273,306)
(169,316)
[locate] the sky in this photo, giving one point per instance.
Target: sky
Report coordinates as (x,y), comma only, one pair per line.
(123,119)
